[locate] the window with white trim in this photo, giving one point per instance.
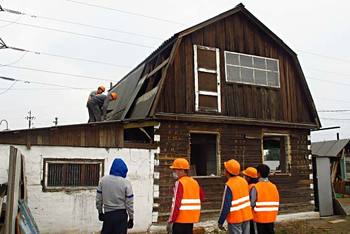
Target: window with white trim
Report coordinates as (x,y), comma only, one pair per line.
(72,173)
(207,78)
(251,69)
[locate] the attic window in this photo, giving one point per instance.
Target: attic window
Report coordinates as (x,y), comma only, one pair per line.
(68,174)
(250,69)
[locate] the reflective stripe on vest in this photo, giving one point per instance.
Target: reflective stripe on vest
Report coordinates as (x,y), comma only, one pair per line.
(235,204)
(190,204)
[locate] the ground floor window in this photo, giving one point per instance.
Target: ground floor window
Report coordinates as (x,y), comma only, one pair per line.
(72,173)
(204,158)
(276,152)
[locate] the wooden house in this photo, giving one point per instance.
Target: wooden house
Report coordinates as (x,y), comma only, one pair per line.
(225,88)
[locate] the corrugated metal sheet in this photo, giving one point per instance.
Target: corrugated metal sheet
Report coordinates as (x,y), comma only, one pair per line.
(124,89)
(328,148)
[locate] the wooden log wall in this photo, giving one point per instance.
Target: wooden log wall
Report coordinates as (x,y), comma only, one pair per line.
(236,33)
(242,143)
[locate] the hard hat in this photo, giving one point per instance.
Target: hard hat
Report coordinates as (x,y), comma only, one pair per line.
(180,163)
(114,95)
(102,88)
(232,166)
(251,172)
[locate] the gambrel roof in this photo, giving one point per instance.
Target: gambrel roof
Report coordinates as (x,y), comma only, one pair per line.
(140,89)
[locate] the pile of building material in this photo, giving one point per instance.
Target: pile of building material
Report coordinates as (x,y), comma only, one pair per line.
(18,218)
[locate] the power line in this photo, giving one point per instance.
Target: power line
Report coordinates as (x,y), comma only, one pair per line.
(80,24)
(335,119)
(333,100)
(40,83)
(328,81)
(4,46)
(325,56)
(16,61)
(14,82)
(333,110)
(126,12)
(56,73)
(81,34)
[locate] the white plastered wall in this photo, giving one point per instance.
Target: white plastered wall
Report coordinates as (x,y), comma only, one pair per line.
(75,212)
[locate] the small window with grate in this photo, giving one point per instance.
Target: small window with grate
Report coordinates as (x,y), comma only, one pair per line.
(72,173)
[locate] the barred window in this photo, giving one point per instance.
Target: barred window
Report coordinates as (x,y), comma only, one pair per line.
(72,173)
(251,69)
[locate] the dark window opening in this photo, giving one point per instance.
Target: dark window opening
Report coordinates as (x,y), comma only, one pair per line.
(72,173)
(203,154)
(275,153)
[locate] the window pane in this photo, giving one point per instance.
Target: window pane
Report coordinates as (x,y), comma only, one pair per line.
(233,73)
(272,65)
(272,79)
(247,75)
(246,61)
(232,59)
(259,63)
(260,77)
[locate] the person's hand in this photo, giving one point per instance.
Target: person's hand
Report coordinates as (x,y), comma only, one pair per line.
(221,227)
(130,223)
(101,217)
(169,228)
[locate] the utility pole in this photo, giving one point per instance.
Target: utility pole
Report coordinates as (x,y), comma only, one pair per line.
(30,118)
(55,121)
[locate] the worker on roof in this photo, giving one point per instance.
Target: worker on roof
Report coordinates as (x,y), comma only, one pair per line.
(235,206)
(100,90)
(186,205)
(115,200)
(265,200)
(251,176)
(97,106)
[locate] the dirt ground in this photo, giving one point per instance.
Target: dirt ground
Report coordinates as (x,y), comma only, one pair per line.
(315,226)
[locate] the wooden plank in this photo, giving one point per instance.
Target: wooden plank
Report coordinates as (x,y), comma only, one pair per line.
(13,192)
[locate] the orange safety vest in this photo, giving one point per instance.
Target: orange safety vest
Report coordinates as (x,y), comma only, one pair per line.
(190,208)
(267,202)
(240,210)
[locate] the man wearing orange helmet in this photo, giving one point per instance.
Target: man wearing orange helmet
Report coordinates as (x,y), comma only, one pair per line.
(188,195)
(97,106)
(235,207)
(100,90)
(251,176)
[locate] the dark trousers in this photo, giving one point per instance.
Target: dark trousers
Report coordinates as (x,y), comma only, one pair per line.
(95,113)
(252,227)
(182,228)
(115,222)
(265,228)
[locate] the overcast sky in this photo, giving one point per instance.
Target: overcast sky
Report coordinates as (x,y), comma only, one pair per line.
(125,32)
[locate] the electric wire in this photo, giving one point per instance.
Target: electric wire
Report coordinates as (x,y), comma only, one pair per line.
(6,90)
(57,73)
(82,34)
(125,12)
(16,61)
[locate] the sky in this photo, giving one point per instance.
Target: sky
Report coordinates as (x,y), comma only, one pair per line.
(87,43)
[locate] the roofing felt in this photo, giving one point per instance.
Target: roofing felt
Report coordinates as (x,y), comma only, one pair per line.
(328,148)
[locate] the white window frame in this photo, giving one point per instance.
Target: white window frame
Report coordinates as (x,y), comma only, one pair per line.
(205,70)
(258,69)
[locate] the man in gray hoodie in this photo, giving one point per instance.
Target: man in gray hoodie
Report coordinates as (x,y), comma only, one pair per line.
(115,200)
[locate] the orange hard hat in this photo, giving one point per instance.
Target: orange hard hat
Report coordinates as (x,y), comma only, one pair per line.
(251,172)
(102,88)
(232,166)
(180,163)
(114,95)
